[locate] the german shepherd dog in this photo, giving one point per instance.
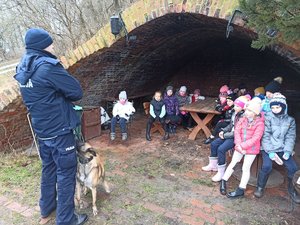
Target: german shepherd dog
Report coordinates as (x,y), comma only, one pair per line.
(90,174)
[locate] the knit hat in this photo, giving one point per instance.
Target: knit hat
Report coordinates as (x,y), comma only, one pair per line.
(259,90)
(274,85)
(241,101)
(248,97)
(232,96)
(183,88)
(37,38)
(242,86)
(224,89)
(254,105)
(278,99)
(123,95)
(169,88)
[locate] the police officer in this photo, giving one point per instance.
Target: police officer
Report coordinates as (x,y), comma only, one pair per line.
(48,91)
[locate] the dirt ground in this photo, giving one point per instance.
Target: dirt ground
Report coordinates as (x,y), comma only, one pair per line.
(158,182)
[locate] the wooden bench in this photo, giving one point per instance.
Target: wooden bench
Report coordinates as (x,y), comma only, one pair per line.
(156,125)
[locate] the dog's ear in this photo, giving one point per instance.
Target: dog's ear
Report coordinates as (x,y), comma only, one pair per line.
(92,151)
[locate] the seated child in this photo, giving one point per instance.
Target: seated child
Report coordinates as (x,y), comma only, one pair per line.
(222,101)
(157,112)
(196,96)
(122,110)
(183,99)
(225,142)
(260,92)
(227,112)
(242,90)
(271,88)
(172,110)
(278,144)
(247,135)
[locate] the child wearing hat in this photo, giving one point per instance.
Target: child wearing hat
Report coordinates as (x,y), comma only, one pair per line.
(225,141)
(271,88)
(122,111)
(222,101)
(157,112)
(260,92)
(183,99)
(278,144)
(227,111)
(172,110)
(247,135)
(196,96)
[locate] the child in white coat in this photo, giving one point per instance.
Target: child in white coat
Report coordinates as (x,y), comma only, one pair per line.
(122,111)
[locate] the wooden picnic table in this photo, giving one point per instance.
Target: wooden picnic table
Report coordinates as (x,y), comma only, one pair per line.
(207,107)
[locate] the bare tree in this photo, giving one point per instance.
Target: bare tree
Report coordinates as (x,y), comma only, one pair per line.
(70,22)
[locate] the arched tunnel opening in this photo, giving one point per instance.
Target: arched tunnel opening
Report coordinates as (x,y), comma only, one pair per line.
(183,49)
(189,49)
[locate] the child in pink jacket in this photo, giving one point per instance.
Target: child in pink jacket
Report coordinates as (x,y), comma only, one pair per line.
(247,135)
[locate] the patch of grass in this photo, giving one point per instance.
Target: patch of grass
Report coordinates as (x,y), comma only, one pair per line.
(151,167)
(204,182)
(136,208)
(20,173)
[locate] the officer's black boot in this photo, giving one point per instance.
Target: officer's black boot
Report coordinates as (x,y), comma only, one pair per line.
(80,219)
(292,192)
(261,184)
(223,190)
(148,131)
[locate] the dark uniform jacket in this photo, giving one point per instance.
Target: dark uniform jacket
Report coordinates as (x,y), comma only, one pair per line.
(48,91)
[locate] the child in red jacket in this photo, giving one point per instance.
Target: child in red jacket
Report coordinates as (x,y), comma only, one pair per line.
(247,135)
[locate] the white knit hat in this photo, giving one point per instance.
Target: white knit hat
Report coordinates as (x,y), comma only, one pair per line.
(254,105)
(123,95)
(183,88)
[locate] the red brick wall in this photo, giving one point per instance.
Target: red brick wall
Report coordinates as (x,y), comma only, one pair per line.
(14,129)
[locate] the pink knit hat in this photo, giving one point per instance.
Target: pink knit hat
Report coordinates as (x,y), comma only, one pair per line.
(224,89)
(241,101)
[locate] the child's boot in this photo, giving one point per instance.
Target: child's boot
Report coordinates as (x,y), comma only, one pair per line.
(212,165)
(220,173)
(112,136)
(124,136)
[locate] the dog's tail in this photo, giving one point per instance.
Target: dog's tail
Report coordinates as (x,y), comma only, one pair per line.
(102,176)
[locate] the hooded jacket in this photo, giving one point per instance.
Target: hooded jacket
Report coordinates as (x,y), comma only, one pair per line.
(248,135)
(280,133)
(48,91)
(229,129)
(171,103)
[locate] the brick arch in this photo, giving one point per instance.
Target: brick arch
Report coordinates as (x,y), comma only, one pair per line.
(144,11)
(165,51)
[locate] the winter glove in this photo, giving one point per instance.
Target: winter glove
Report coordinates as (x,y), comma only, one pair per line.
(286,155)
(273,156)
